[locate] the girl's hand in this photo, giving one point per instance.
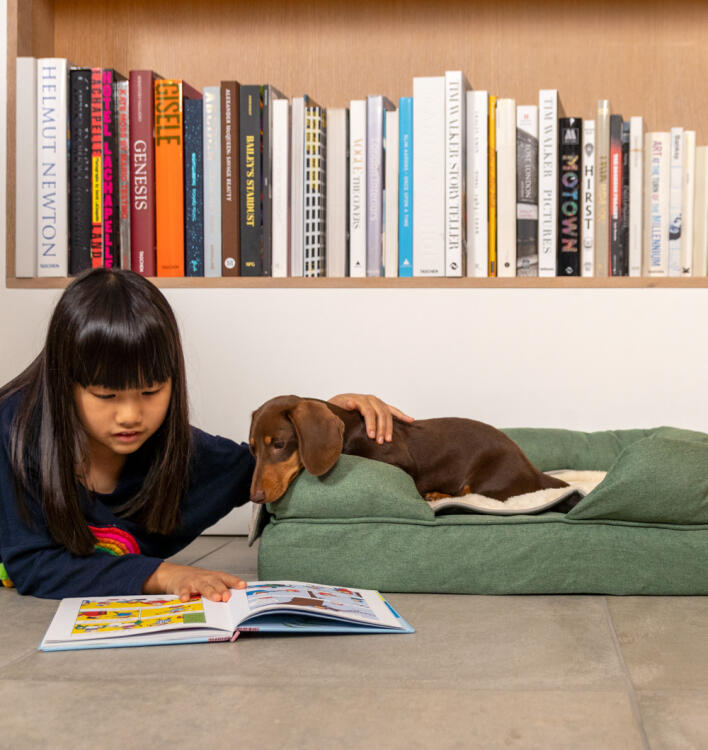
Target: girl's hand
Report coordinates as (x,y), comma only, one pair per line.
(378,415)
(186,581)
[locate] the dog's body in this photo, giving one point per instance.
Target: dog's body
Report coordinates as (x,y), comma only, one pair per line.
(445,457)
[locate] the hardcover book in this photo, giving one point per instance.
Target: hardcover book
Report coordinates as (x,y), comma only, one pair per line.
(569,185)
(602,188)
(405,186)
(636,195)
(79,170)
(390,217)
(297,183)
(97,239)
(270,96)
(688,199)
(357,188)
(263,607)
(193,187)
(550,110)
(212,180)
(617,255)
(506,187)
(230,179)
(527,190)
(251,191)
(675,193)
(281,188)
(122,96)
(587,233)
(492,188)
(111,166)
(26,168)
(337,216)
(624,213)
(315,192)
(657,175)
(477,184)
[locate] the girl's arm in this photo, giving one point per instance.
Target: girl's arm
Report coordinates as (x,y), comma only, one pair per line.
(378,415)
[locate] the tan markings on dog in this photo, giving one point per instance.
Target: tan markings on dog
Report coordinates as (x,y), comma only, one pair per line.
(276,477)
(268,439)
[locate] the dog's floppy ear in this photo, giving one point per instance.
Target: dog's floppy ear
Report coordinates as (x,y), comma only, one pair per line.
(320,435)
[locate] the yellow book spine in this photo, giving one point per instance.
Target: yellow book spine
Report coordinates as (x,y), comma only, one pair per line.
(492,186)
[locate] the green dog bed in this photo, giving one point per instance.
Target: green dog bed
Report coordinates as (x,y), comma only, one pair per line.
(642,530)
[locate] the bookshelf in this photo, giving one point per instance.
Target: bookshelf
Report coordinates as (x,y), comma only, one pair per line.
(648,58)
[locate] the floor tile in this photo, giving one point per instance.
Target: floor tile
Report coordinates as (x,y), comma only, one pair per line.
(675,720)
(199,548)
(234,557)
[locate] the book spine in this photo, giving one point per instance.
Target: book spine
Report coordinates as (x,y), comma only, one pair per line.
(569,185)
(657,170)
(506,187)
(700,227)
(588,199)
(374,185)
(79,171)
(169,177)
(337,191)
(405,187)
(357,188)
(193,187)
(230,180)
(250,170)
(492,188)
(96,167)
(123,109)
(270,94)
(602,188)
(142,172)
(390,234)
(477,183)
(111,211)
(636,194)
(615,198)
(688,201)
(429,176)
(281,188)
(26,168)
(52,174)
(456,87)
(314,261)
(547,182)
(212,181)
(527,190)
(624,224)
(297,186)
(675,191)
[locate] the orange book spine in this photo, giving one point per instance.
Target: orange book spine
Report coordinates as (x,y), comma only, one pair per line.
(169,178)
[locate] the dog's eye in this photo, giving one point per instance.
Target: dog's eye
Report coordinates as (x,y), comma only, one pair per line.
(278,444)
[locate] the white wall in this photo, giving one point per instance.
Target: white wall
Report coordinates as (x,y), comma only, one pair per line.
(586,359)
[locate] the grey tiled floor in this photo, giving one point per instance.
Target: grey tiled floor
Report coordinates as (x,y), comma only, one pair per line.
(480,672)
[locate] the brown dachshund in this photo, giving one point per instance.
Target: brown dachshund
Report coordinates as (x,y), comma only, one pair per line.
(446,457)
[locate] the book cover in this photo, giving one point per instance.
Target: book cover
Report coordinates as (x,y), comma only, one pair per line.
(97,167)
(281,188)
(122,97)
(337,217)
(315,192)
(477,183)
(193,187)
(270,94)
(492,188)
(657,175)
(262,607)
(141,91)
(527,190)
(602,188)
(456,88)
(688,201)
(376,106)
(429,176)
(212,180)
(111,188)
(79,170)
(700,225)
(390,217)
(636,194)
(357,188)
(169,173)
(675,193)
(405,186)
(587,233)
(615,197)
(52,167)
(230,179)
(550,110)
(26,168)
(506,187)
(569,182)
(251,190)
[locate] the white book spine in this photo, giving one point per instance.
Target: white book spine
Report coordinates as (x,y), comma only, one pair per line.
(391,194)
(587,260)
(281,187)
(52,163)
(337,177)
(675,191)
(636,194)
(456,87)
(506,187)
(547,181)
(212,180)
(688,201)
(297,187)
(657,174)
(357,188)
(700,216)
(602,188)
(477,183)
(26,168)
(429,176)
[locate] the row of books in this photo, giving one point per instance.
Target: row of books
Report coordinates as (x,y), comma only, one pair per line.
(150,174)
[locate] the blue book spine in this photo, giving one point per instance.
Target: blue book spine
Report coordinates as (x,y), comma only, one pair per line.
(193,188)
(405,187)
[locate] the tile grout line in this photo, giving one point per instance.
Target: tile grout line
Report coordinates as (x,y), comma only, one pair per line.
(211,551)
(627,677)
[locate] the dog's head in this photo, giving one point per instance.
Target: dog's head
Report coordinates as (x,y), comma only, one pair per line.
(288,433)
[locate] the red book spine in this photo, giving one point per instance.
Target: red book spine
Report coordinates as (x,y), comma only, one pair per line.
(142,172)
(96,167)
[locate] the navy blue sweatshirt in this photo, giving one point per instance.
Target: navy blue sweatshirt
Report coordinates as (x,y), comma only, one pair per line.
(126,555)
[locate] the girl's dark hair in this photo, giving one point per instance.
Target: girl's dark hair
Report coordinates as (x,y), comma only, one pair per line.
(114,329)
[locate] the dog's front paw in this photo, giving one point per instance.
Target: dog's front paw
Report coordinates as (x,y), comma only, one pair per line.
(430,496)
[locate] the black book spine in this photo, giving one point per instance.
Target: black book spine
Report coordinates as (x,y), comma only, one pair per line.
(193,188)
(624,212)
(616,253)
(251,187)
(569,173)
(80,171)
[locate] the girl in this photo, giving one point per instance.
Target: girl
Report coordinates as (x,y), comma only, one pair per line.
(101,475)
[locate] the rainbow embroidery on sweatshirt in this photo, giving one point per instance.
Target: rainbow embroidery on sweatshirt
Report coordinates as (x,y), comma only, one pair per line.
(115,541)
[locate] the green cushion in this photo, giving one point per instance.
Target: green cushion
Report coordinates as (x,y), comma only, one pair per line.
(654,480)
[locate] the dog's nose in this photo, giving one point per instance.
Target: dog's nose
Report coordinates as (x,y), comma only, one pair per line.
(258,496)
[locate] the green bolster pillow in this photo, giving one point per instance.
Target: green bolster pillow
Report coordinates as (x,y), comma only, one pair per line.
(661,479)
(355,488)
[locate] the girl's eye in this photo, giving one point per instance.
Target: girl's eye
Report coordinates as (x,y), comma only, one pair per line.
(278,444)
(104,396)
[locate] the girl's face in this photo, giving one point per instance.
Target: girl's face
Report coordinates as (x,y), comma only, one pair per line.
(121,421)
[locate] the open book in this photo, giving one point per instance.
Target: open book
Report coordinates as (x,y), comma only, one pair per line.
(262,607)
